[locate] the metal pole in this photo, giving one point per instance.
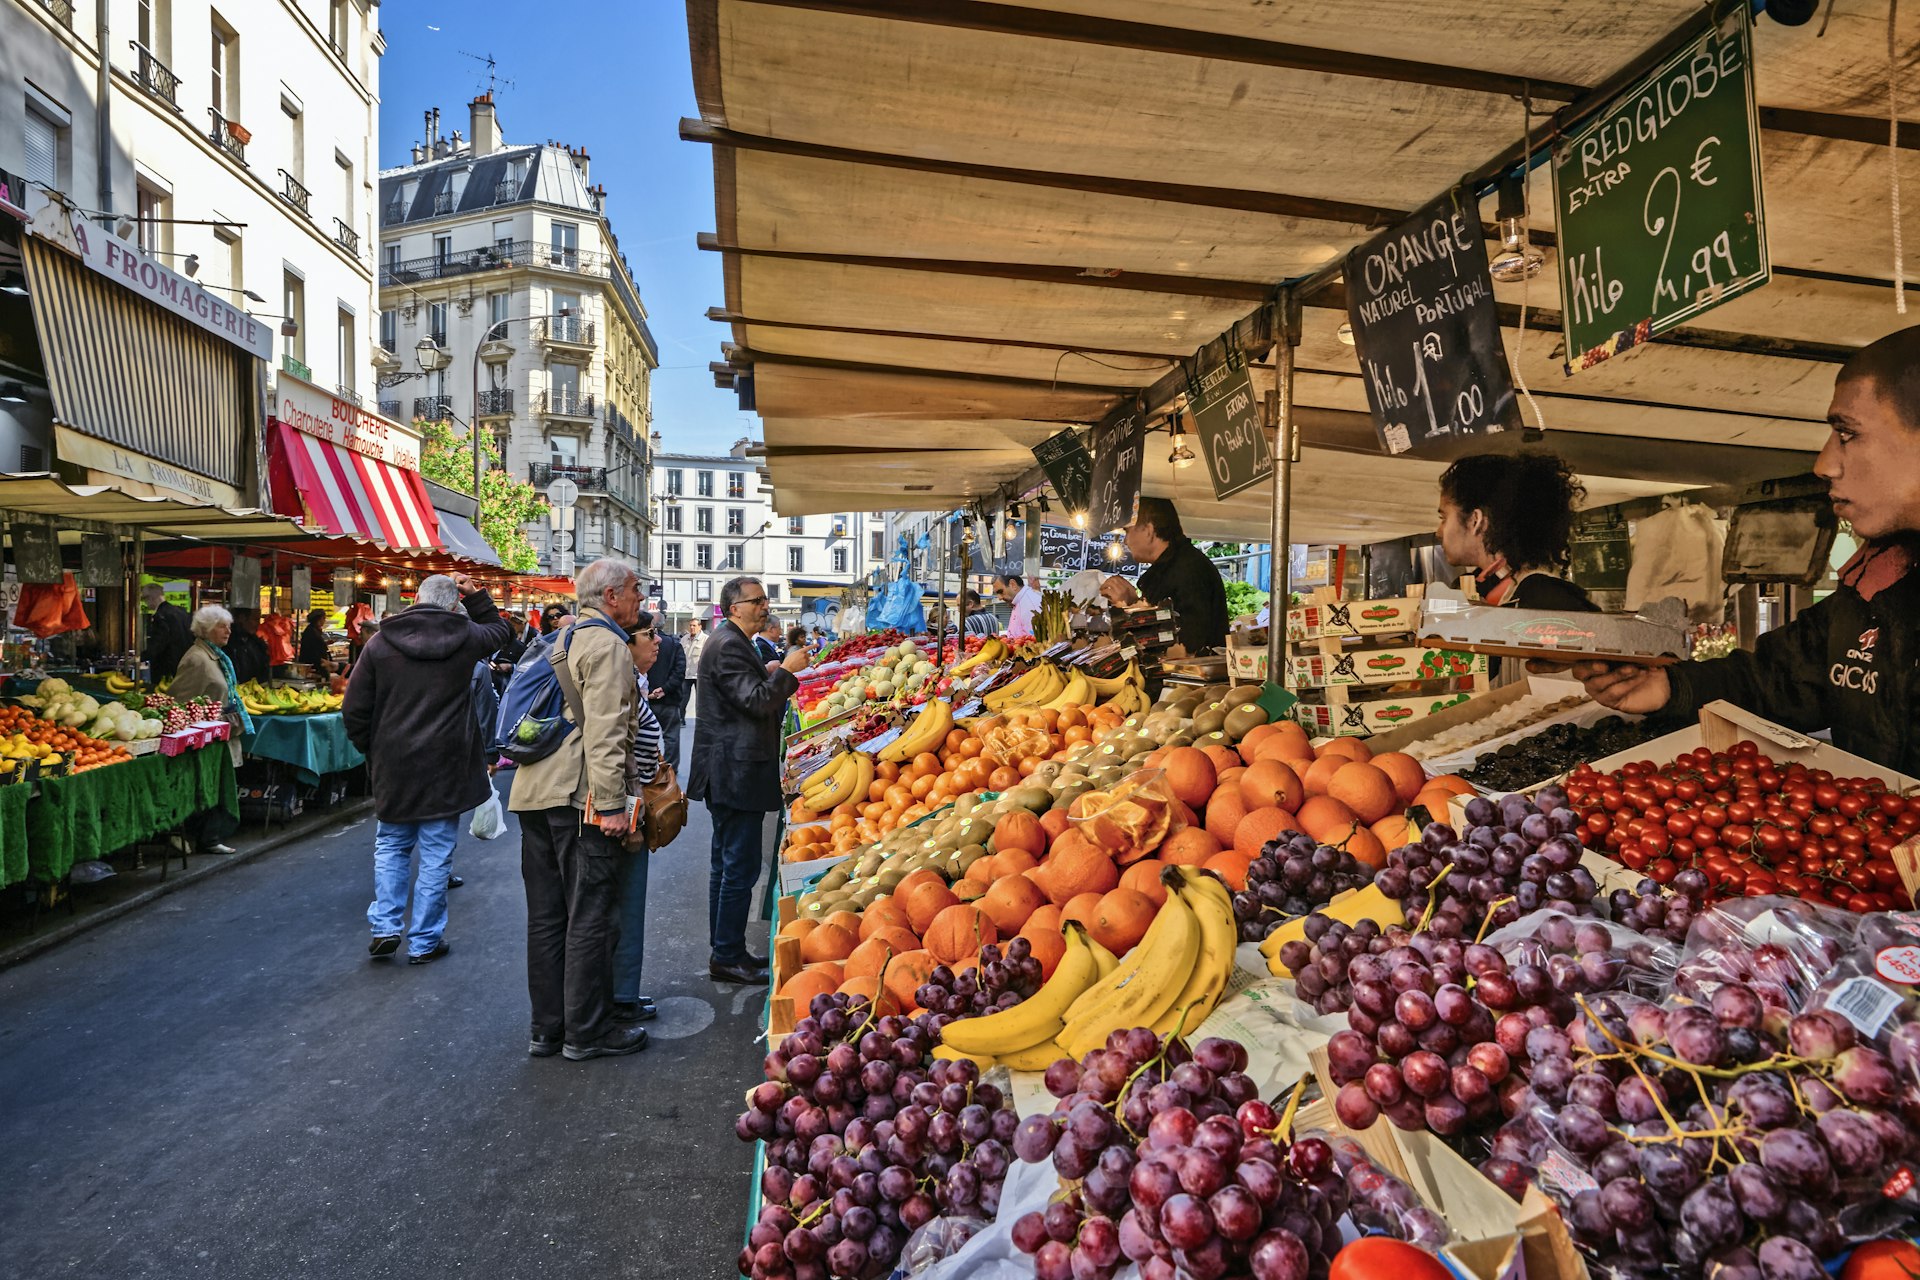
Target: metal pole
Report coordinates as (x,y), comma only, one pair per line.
(1287,311)
(473,418)
(940,603)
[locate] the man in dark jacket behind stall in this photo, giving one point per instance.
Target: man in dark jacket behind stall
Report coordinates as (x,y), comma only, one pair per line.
(1179,574)
(245,649)
(407,708)
(168,634)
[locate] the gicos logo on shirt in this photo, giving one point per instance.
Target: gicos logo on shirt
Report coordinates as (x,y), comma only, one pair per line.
(1846,676)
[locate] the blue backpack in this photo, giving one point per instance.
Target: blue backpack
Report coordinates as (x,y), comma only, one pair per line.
(533,711)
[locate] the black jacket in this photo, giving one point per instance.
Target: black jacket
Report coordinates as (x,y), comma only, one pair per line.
(409,709)
(169,636)
(1544,591)
(736,740)
(313,646)
(669,676)
(248,654)
(1847,664)
(1187,579)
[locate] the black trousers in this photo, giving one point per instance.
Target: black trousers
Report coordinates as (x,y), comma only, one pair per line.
(570,869)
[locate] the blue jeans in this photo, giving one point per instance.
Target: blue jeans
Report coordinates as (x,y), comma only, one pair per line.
(734,868)
(630,915)
(393,846)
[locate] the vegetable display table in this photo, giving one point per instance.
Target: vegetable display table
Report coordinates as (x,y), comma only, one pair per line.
(313,745)
(13,832)
(92,814)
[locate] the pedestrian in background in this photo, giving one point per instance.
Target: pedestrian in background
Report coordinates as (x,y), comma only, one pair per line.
(981,621)
(630,953)
(169,633)
(313,642)
(575,807)
(767,641)
(696,645)
(667,690)
(409,711)
(796,637)
(246,650)
(735,768)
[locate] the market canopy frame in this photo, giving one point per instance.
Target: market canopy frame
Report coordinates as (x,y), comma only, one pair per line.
(949,227)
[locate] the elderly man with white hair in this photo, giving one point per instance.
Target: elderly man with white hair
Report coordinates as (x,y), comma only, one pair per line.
(574,808)
(409,711)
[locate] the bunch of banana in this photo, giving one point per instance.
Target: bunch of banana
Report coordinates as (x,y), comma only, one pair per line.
(1131,700)
(1132,677)
(1173,977)
(927,732)
(270,700)
(845,777)
(118,684)
(1078,693)
(992,651)
(1039,686)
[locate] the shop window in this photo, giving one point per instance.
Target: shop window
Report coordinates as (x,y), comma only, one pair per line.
(796,559)
(703,484)
(736,520)
(155,236)
(796,526)
(294,299)
(671,551)
(839,559)
(703,520)
(703,555)
(736,484)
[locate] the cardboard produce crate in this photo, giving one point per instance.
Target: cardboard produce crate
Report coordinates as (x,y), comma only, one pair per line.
(1375,717)
(1399,615)
(1381,666)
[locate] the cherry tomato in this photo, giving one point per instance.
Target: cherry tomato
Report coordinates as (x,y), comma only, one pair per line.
(1662,870)
(1713,816)
(1892,805)
(1635,857)
(1853,805)
(1740,811)
(1822,824)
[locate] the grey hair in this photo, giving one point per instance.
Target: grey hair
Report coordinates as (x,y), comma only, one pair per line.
(438,592)
(150,589)
(730,593)
(592,583)
(206,618)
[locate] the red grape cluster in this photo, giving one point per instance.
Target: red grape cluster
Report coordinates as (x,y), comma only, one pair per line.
(1661,913)
(1290,878)
(1321,962)
(1516,857)
(1001,980)
(1737,1141)
(1179,1167)
(868,1138)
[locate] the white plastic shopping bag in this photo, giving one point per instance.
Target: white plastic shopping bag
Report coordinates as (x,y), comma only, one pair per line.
(489,820)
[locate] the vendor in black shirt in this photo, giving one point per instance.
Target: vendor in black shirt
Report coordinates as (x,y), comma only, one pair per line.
(1507,517)
(1179,574)
(1851,663)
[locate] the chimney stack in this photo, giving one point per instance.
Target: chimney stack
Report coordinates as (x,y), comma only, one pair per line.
(485,125)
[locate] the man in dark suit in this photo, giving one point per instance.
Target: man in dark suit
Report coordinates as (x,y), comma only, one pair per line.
(735,767)
(667,694)
(168,634)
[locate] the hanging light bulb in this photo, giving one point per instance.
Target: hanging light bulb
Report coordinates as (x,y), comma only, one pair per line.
(1517,260)
(359,578)
(1114,551)
(407,582)
(1182,456)
(385,581)
(1079,519)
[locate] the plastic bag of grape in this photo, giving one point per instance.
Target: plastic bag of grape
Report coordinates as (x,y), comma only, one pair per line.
(1782,947)
(1549,953)
(1876,987)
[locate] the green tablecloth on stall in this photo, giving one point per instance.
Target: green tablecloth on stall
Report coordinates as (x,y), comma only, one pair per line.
(92,814)
(13,832)
(313,745)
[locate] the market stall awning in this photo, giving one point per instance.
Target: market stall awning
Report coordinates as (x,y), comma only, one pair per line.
(349,493)
(44,495)
(464,541)
(949,228)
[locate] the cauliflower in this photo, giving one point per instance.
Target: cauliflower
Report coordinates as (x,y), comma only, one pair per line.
(54,687)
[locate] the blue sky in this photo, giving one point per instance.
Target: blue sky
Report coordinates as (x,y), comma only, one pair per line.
(612,76)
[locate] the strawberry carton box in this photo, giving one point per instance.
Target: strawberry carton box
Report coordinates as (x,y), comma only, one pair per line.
(212,730)
(1378,716)
(1381,666)
(1340,618)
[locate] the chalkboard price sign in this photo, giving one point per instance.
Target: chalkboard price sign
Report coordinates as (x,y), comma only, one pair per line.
(1426,330)
(1099,550)
(1227,419)
(1658,200)
(1068,465)
(1062,548)
(1119,449)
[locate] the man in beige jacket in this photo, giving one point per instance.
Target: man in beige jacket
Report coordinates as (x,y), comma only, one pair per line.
(573,808)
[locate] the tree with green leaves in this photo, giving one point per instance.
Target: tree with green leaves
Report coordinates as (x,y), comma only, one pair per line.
(506,504)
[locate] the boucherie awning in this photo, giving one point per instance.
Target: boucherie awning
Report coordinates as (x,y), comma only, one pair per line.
(348,471)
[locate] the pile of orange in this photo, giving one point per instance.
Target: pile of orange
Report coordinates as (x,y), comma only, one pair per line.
(88,752)
(904,792)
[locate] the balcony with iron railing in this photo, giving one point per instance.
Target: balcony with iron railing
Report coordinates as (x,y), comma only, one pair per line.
(589,479)
(154,76)
(493,257)
(390,409)
(567,404)
(396,211)
(296,367)
(569,331)
(346,237)
(62,11)
(443,202)
(228,135)
(348,394)
(505,191)
(433,408)
(496,402)
(295,193)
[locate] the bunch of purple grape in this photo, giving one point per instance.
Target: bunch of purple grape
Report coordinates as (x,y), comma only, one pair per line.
(1321,961)
(1003,978)
(1291,877)
(1516,857)
(1774,1164)
(1171,1160)
(1668,913)
(868,1138)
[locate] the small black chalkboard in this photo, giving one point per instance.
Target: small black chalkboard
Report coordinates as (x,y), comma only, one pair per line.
(1062,548)
(36,553)
(1068,465)
(1097,556)
(1226,417)
(1426,330)
(1119,449)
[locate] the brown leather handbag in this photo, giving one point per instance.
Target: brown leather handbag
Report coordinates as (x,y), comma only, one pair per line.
(663,808)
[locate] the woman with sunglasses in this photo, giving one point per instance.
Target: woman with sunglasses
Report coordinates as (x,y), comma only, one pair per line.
(630,909)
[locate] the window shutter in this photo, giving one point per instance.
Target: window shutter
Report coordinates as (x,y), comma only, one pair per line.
(43,150)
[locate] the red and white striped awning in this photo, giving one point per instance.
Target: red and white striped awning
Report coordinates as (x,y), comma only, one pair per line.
(350,494)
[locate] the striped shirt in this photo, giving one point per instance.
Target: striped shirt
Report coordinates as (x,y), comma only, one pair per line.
(648,741)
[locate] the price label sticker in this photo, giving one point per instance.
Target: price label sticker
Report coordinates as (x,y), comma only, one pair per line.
(1864,1002)
(1557,1168)
(1899,964)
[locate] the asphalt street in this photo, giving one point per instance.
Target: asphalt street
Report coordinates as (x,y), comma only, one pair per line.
(222,1084)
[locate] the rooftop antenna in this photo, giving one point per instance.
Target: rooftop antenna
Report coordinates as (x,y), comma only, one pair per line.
(493,79)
